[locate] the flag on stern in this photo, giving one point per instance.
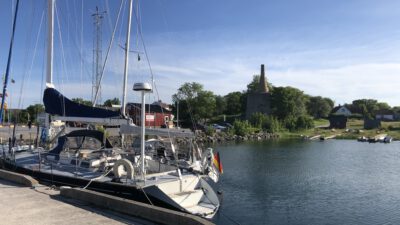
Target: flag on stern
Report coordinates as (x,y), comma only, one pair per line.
(217,163)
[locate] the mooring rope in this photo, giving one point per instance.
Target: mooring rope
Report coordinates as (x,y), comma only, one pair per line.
(96,178)
(151,203)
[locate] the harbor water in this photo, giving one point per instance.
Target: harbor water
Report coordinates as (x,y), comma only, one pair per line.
(310,182)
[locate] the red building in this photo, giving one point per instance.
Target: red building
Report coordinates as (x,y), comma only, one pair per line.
(158,114)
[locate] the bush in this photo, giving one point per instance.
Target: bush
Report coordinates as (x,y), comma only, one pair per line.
(266,122)
(304,122)
(272,124)
(258,120)
(298,123)
(290,123)
(242,128)
(210,131)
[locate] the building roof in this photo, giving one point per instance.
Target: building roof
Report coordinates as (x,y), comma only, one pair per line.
(336,109)
(155,108)
(384,112)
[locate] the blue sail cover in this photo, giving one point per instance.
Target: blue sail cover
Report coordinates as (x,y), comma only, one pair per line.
(56,104)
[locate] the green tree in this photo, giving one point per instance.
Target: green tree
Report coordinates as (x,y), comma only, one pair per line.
(234,104)
(34,110)
(200,104)
(304,122)
(188,91)
(23,116)
(221,105)
(185,120)
(258,120)
(383,106)
(265,122)
(396,109)
(319,107)
(110,102)
(272,124)
(288,102)
(367,107)
(242,128)
(290,122)
(204,106)
(253,85)
(82,101)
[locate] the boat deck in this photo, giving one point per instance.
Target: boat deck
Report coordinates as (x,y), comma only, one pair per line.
(31,160)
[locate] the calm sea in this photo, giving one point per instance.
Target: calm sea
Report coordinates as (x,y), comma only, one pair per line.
(310,182)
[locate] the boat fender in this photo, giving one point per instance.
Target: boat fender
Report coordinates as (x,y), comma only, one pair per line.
(121,166)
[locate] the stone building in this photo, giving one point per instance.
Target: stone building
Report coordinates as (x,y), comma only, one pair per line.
(260,100)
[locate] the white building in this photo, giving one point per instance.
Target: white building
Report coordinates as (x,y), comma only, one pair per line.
(341,110)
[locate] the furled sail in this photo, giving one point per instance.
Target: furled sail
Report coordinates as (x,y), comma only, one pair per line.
(57,104)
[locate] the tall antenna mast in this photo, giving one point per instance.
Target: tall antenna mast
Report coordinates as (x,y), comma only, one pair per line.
(97,54)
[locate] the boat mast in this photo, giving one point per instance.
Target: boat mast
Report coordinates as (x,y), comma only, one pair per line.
(50,37)
(49,66)
(128,37)
(8,63)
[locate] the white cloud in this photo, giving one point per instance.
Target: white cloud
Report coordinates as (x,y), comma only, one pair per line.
(344,84)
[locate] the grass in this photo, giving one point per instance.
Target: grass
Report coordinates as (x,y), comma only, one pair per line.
(321,123)
(355,129)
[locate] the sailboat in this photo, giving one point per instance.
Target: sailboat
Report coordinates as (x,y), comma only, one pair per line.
(85,158)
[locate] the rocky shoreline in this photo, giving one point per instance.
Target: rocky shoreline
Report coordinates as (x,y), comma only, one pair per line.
(222,137)
(201,137)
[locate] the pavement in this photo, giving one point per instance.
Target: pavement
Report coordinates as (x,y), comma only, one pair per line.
(6,132)
(44,205)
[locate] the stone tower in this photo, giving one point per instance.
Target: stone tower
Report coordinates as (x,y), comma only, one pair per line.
(259,101)
(262,86)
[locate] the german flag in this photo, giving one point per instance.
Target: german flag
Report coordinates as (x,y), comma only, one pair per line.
(217,163)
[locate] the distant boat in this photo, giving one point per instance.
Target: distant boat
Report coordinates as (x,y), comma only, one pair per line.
(323,138)
(362,139)
(377,138)
(388,139)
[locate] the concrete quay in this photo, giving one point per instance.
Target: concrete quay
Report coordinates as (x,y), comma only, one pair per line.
(21,179)
(133,208)
(43,205)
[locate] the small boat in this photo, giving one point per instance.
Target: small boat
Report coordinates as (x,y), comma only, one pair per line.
(387,139)
(362,139)
(377,138)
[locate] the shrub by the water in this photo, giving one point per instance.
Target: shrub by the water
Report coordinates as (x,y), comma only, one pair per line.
(304,122)
(210,131)
(265,122)
(242,128)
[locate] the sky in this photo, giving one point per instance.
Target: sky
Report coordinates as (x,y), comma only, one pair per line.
(344,50)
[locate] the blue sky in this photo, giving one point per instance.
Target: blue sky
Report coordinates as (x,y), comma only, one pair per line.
(344,50)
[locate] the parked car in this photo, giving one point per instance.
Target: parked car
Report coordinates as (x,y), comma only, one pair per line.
(227,125)
(218,127)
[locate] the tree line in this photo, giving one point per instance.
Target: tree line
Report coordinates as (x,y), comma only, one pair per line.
(291,108)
